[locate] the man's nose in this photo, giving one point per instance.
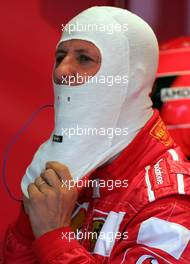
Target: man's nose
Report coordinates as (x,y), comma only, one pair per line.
(65,71)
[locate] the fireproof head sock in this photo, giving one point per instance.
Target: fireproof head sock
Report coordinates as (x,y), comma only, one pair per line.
(115,113)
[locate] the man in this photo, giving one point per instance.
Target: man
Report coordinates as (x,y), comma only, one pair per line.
(132,203)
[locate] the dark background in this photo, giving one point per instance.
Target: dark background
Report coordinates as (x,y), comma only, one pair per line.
(29,31)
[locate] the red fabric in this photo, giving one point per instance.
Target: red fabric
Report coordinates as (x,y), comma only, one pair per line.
(151,150)
(43,246)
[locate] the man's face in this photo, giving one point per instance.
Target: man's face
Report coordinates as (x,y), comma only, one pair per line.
(75,57)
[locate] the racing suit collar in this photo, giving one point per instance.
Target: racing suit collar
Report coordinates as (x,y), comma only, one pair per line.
(152,140)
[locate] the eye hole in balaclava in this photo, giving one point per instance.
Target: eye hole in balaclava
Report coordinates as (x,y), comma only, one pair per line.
(76,62)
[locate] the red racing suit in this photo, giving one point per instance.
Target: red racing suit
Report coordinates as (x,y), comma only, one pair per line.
(135,210)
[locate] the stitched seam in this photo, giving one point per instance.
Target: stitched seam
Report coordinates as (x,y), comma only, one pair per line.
(174,206)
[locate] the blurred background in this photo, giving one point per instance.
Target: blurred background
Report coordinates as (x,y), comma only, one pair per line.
(29,31)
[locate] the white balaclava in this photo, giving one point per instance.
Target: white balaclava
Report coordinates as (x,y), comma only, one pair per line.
(128,49)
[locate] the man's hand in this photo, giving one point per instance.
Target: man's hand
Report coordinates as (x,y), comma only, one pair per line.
(51,199)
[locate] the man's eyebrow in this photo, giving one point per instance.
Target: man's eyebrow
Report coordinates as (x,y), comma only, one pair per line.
(60,51)
(87,51)
(81,50)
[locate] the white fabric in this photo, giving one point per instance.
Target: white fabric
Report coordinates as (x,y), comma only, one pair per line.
(142,259)
(83,205)
(164,235)
(180,177)
(151,195)
(108,234)
(132,53)
(154,261)
(96,189)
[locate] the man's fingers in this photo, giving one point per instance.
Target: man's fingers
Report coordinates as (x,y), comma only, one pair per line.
(41,184)
(63,172)
(33,191)
(61,169)
(50,176)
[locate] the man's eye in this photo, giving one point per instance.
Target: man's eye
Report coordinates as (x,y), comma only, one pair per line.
(84,58)
(59,59)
